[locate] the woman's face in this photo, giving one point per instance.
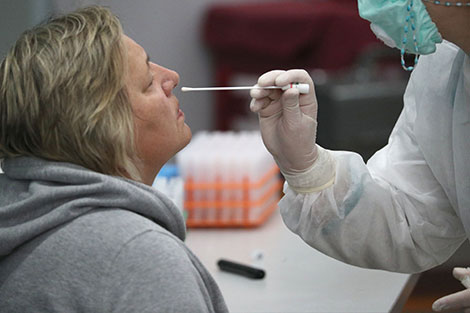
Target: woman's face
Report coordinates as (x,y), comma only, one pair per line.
(160,130)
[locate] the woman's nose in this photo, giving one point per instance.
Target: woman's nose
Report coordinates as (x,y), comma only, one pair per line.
(171,80)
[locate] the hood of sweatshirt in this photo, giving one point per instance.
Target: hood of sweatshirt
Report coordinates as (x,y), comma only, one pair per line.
(37,195)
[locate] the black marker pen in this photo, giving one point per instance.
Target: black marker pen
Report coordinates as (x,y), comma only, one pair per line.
(241,269)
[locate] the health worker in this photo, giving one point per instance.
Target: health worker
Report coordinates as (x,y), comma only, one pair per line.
(408,209)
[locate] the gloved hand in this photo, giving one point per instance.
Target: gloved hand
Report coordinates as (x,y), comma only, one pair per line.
(288,123)
(459,300)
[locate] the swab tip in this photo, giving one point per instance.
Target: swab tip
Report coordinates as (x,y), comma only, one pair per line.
(184,89)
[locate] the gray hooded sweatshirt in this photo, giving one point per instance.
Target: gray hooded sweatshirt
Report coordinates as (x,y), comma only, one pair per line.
(73,240)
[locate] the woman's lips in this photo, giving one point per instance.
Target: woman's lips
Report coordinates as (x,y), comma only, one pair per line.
(180,114)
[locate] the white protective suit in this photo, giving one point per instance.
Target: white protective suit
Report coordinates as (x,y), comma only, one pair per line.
(408,209)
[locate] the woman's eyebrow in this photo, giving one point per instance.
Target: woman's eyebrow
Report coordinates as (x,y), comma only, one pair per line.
(148,60)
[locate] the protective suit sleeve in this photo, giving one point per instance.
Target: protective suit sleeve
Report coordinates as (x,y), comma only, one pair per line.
(390,214)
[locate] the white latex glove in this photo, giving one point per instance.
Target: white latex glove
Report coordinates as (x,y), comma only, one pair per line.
(459,300)
(288,123)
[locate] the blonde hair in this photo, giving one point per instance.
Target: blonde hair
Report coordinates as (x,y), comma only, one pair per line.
(62,94)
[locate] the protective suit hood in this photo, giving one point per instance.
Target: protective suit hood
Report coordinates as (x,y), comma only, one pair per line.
(39,195)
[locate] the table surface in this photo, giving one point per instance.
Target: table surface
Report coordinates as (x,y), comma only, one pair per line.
(298,278)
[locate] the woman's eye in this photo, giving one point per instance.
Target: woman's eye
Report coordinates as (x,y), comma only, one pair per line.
(151,82)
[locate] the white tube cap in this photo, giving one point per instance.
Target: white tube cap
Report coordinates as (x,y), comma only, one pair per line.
(303,88)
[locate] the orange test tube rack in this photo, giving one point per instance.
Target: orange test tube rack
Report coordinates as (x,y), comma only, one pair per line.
(233,204)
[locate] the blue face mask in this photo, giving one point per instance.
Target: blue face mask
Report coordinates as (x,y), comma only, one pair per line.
(402,24)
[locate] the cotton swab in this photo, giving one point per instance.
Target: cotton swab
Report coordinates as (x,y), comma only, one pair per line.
(303,88)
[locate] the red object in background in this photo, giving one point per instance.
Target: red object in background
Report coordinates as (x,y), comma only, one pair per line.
(257,37)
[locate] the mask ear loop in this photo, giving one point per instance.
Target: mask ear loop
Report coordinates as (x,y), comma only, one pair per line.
(449,4)
(409,24)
